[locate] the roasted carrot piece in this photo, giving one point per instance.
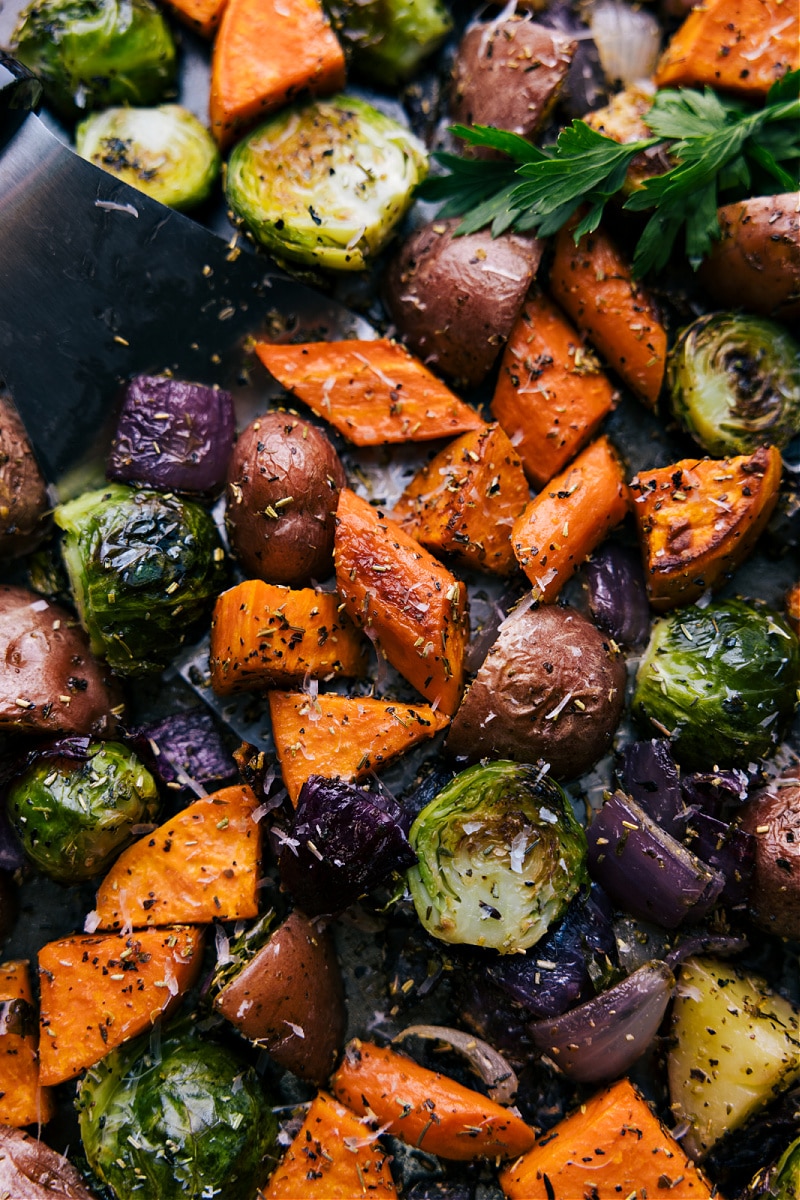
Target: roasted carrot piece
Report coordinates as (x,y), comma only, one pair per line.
(201,15)
(416,609)
(465,501)
(334,1156)
(343,737)
(372,392)
(740,46)
(699,519)
(563,524)
(426,1109)
(97,992)
(551,394)
(593,284)
(265,635)
(266,53)
(23,1101)
(201,866)
(612,1147)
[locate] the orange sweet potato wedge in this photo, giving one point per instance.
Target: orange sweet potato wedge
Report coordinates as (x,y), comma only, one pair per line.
(97,992)
(465,501)
(334,1156)
(199,867)
(372,392)
(203,16)
(593,284)
(561,526)
(342,737)
(551,393)
(739,46)
(265,635)
(699,519)
(792,606)
(266,54)
(612,1147)
(394,588)
(426,1109)
(23,1101)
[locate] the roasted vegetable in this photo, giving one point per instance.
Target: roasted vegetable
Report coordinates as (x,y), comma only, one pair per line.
(74,816)
(616,591)
(325,184)
(772,816)
(143,569)
(388,40)
(734,383)
(29,1168)
(756,262)
(719,681)
(23,494)
(781,1180)
(22,1100)
(185,751)
(500,857)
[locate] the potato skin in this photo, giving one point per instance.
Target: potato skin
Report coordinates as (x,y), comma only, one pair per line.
(756,263)
(541,657)
(773,818)
(283,487)
(50,682)
(23,494)
(294,980)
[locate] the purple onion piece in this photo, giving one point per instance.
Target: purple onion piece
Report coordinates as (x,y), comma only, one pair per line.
(185,749)
(173,436)
(726,848)
(715,791)
(617,594)
(650,775)
(603,1038)
(704,943)
(12,857)
(492,1014)
(645,870)
(344,842)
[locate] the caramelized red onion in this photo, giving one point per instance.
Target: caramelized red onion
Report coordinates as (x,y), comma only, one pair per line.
(492,1068)
(649,774)
(617,595)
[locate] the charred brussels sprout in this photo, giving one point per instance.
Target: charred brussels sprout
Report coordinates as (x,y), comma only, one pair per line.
(93,53)
(735,383)
(326,183)
(143,569)
(186,1119)
(719,681)
(781,1180)
(500,857)
(164,152)
(74,815)
(388,39)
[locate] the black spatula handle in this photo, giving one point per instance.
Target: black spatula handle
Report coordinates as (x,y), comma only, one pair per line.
(20,92)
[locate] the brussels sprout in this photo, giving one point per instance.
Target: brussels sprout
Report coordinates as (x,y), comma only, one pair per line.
(143,569)
(93,53)
(186,1119)
(781,1180)
(74,815)
(719,681)
(388,39)
(164,152)
(735,383)
(500,857)
(325,184)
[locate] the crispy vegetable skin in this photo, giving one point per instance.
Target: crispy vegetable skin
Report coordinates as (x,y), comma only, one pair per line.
(23,493)
(333,1155)
(372,392)
(29,1168)
(22,1100)
(593,284)
(200,866)
(465,500)
(569,518)
(611,1146)
(264,635)
(699,520)
(756,262)
(337,736)
(265,54)
(415,608)
(739,46)
(551,394)
(96,992)
(426,1109)
(201,15)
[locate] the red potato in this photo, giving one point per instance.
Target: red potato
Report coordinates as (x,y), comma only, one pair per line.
(773,817)
(23,494)
(29,1170)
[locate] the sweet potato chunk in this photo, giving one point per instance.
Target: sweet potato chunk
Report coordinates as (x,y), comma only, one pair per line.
(264,635)
(551,394)
(372,392)
(201,15)
(97,992)
(465,501)
(792,606)
(201,866)
(344,738)
(414,606)
(698,520)
(22,1100)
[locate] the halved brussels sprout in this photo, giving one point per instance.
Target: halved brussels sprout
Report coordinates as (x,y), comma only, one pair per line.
(734,381)
(388,39)
(500,857)
(324,184)
(164,152)
(93,53)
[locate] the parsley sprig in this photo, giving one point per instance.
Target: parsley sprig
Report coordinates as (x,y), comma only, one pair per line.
(723,149)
